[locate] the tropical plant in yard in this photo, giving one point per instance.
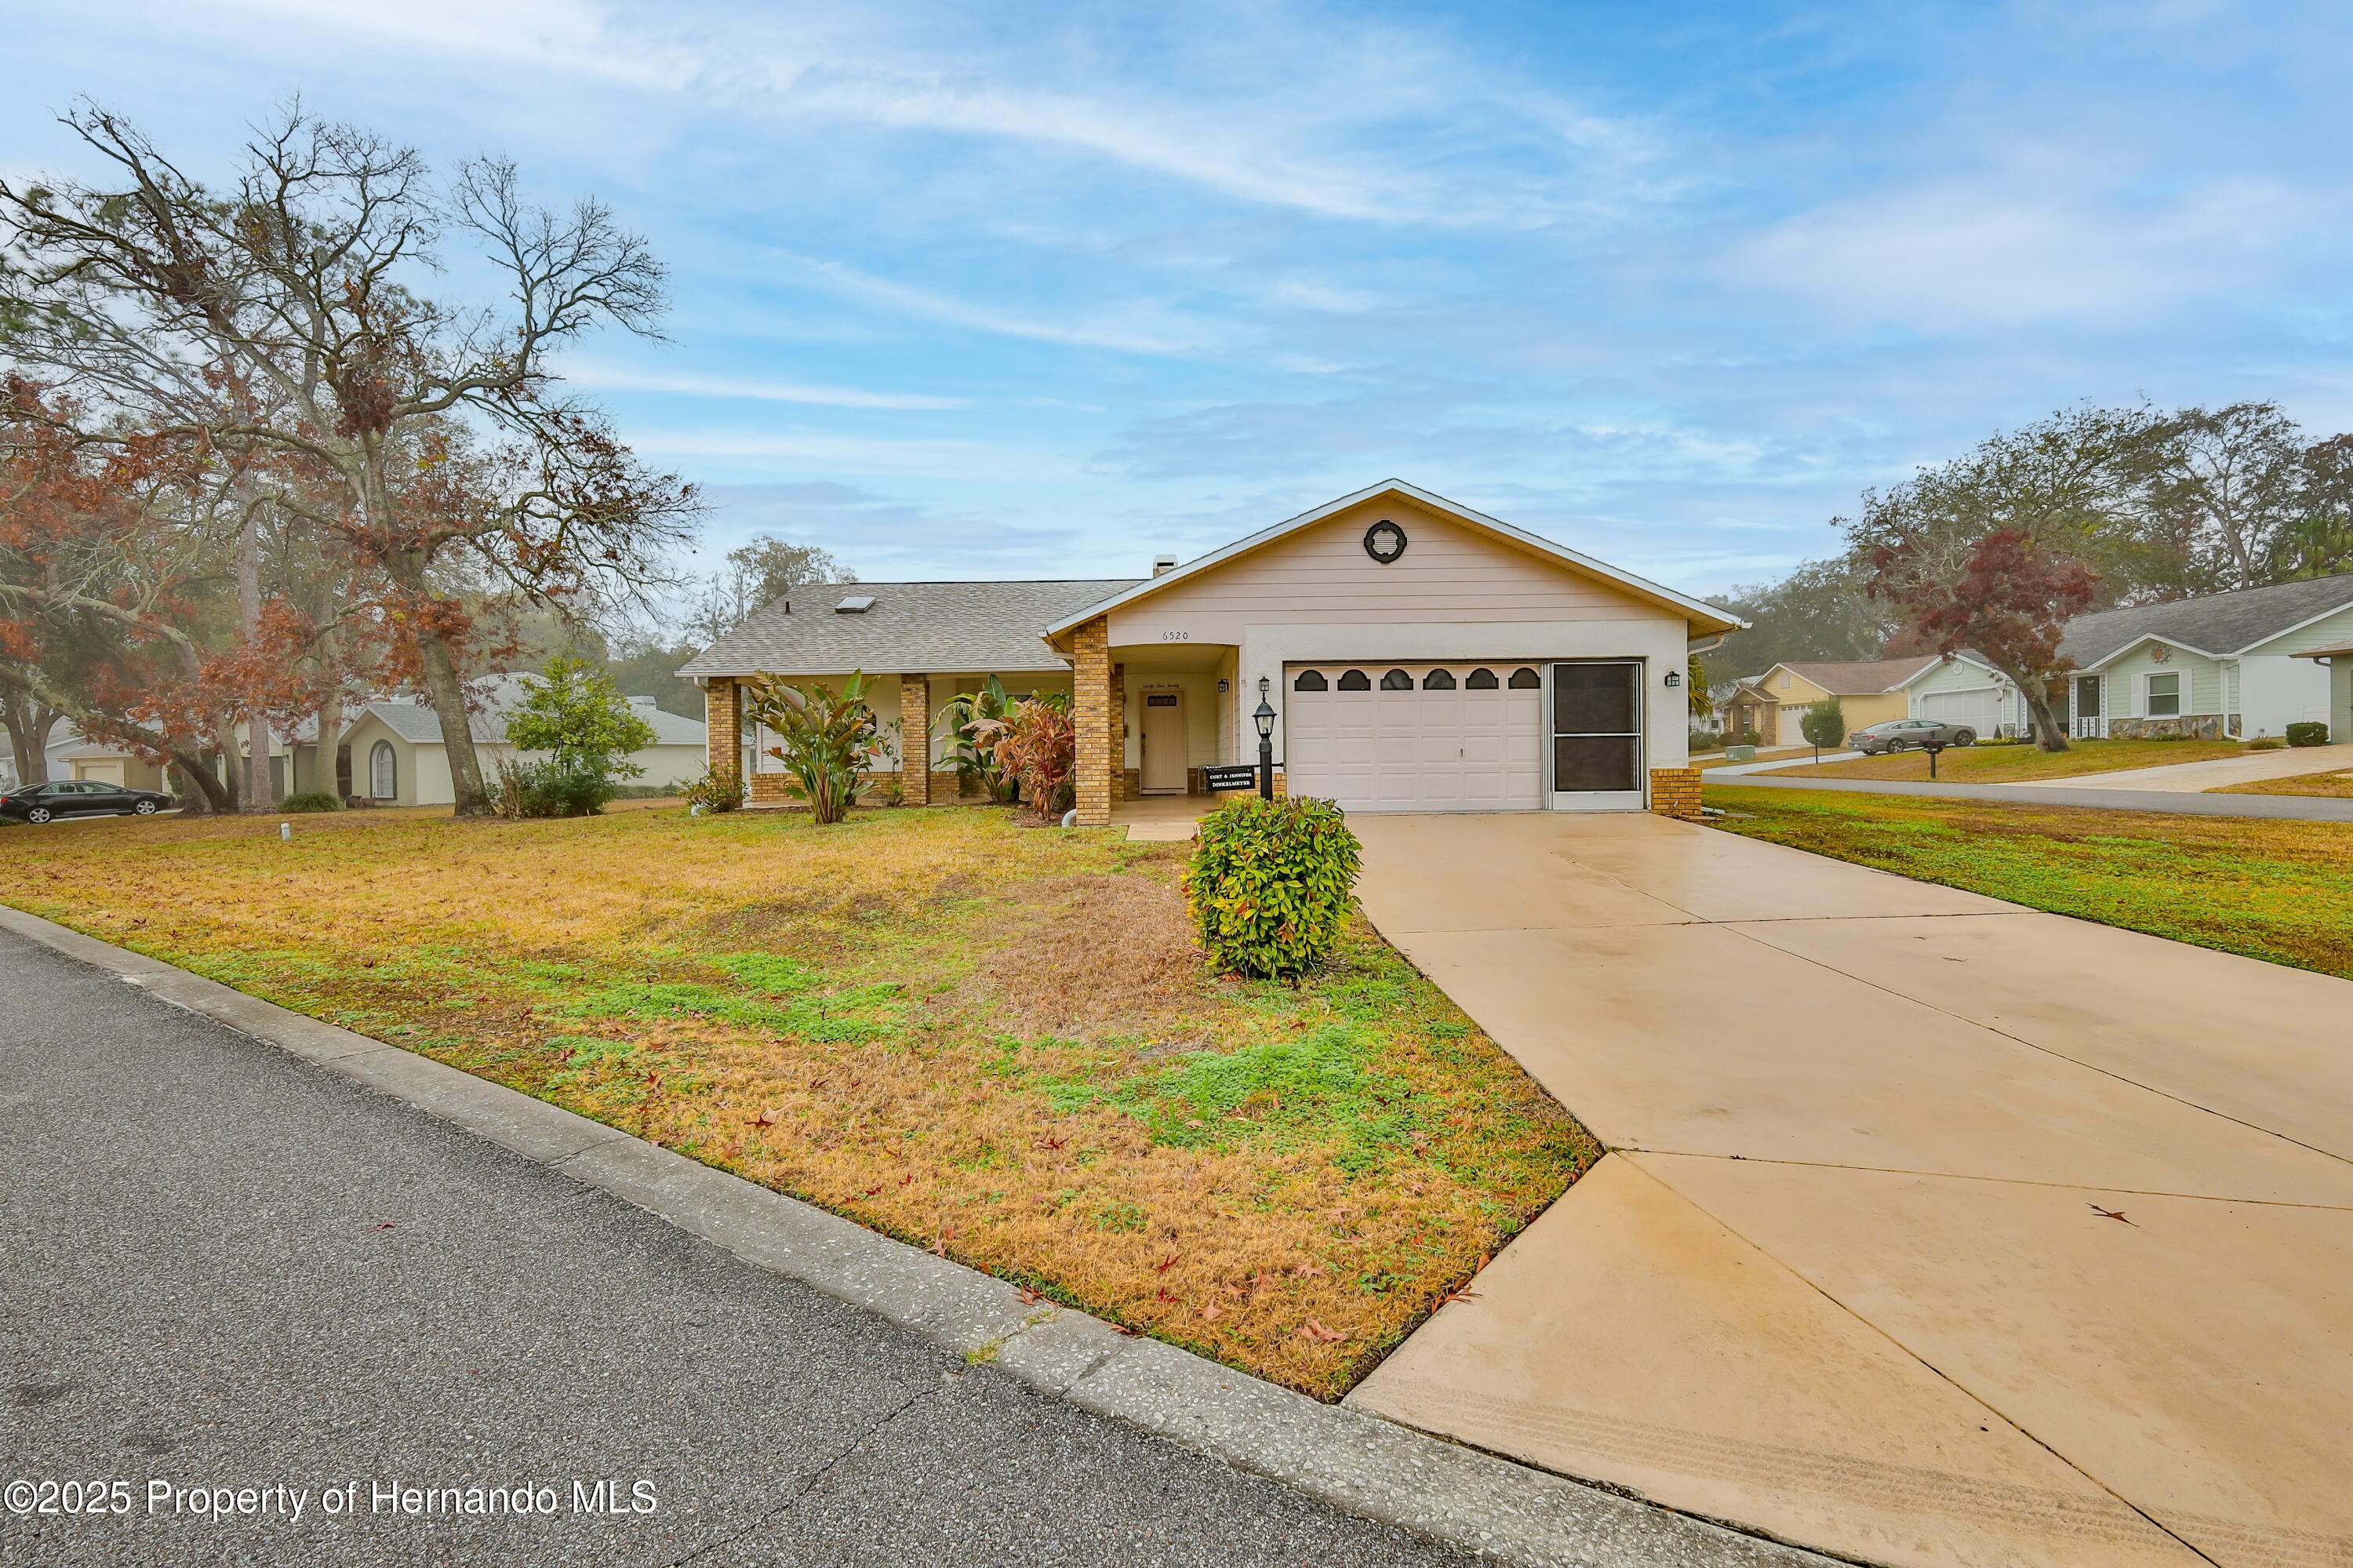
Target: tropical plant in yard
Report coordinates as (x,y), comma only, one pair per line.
(1037,746)
(1269,884)
(976,760)
(828,740)
(1823,724)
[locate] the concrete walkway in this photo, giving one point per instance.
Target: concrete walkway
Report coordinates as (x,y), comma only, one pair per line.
(2218,773)
(1936,1231)
(2085,793)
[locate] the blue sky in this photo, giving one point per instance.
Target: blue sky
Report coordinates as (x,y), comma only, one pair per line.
(1004,290)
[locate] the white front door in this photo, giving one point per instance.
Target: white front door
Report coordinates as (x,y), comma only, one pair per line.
(1163,768)
(1459,737)
(1596,735)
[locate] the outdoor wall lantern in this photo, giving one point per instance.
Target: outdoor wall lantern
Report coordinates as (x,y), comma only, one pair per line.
(1674,679)
(1264,719)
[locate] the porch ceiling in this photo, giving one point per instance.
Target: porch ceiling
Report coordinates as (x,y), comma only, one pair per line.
(1171,657)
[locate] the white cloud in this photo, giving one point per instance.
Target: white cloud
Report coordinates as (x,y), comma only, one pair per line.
(612,378)
(1138,328)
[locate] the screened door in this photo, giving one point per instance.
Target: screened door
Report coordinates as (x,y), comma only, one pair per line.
(1596,735)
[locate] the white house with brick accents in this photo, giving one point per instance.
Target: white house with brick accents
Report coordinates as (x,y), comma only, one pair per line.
(1419,656)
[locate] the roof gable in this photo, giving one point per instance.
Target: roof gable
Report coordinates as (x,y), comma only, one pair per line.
(1701,615)
(1858,677)
(2217,625)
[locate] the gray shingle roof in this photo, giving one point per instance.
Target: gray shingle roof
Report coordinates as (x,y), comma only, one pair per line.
(2218,623)
(414,721)
(913,629)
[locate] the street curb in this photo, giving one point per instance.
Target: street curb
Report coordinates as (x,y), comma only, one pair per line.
(1459,1496)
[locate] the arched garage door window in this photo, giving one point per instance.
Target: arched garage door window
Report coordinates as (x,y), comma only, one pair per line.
(384,772)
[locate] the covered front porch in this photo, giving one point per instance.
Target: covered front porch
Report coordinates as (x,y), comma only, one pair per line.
(1152,718)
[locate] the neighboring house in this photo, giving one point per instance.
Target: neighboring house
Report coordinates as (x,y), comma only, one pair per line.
(1416,655)
(2237,665)
(63,740)
(1774,704)
(394,753)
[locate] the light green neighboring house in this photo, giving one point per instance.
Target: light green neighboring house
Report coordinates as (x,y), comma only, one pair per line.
(2228,665)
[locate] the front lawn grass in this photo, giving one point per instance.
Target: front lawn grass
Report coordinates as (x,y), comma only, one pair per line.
(994,1040)
(2281,890)
(2024,764)
(2339,785)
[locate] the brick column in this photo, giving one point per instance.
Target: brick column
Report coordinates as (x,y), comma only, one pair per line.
(915,739)
(1093,717)
(1675,792)
(723,741)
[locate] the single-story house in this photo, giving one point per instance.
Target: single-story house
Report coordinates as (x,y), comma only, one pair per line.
(1774,704)
(2236,665)
(1415,655)
(393,752)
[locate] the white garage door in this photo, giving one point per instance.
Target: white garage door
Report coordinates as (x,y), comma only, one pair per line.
(1458,736)
(1979,707)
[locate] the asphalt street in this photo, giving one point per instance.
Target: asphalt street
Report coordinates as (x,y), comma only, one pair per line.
(223,1268)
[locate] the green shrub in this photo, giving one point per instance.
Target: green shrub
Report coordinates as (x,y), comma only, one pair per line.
(552,787)
(2267,743)
(1269,884)
(1823,724)
(719,788)
(828,740)
(2307,732)
(310,800)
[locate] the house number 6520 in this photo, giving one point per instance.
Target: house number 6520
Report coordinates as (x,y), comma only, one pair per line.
(1176,637)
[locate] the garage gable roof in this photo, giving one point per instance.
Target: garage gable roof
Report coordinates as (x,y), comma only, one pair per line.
(1858,677)
(1939,660)
(1703,615)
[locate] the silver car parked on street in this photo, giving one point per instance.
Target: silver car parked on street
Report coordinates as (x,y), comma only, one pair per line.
(1904,734)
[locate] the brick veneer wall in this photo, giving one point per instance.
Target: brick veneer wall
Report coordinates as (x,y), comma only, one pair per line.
(1119,770)
(915,737)
(1675,792)
(1093,717)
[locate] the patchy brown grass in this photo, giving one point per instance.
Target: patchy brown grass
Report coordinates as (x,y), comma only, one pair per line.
(994,1040)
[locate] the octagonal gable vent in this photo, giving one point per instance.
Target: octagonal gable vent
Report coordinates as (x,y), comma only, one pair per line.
(856,604)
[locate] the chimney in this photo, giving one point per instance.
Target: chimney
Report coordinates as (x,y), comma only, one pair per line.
(1163,564)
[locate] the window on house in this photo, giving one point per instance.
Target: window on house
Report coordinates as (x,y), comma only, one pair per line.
(1310,680)
(1438,681)
(1482,680)
(1526,680)
(1355,681)
(2164,694)
(384,772)
(1785,680)
(1397,681)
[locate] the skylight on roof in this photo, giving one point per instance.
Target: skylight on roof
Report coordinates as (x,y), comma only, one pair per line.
(856,604)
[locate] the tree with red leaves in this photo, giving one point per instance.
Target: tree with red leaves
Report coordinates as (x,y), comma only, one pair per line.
(279,323)
(2010,605)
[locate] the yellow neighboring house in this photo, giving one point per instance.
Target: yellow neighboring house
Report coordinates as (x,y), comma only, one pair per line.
(1774,704)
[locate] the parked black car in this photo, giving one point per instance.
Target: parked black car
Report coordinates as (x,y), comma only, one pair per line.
(80,797)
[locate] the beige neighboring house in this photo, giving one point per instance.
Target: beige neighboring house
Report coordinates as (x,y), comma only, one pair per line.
(1416,655)
(396,757)
(1774,704)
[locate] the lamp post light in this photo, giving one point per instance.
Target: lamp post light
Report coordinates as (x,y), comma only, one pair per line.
(1264,719)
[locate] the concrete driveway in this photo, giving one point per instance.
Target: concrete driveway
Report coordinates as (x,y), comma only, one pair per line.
(1934,1230)
(2218,773)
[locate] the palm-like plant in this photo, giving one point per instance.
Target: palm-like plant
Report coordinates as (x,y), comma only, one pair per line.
(976,759)
(828,740)
(1037,745)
